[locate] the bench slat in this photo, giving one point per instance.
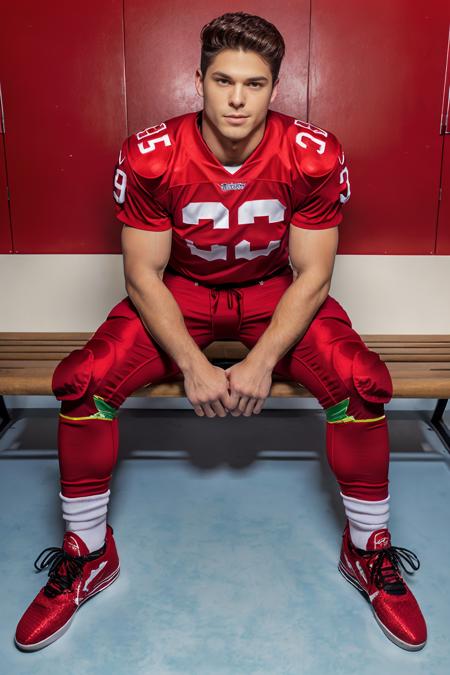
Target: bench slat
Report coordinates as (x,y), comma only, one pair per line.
(419,364)
(24,360)
(418,382)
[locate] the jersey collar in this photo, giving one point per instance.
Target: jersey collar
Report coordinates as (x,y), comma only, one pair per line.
(251,159)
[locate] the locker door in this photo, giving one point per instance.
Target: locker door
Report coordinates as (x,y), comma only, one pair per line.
(376,80)
(62,75)
(443,230)
(5,225)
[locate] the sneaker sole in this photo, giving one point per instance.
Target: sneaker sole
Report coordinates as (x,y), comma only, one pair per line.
(396,640)
(60,632)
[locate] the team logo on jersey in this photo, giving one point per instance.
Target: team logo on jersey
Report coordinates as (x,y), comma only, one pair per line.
(232,186)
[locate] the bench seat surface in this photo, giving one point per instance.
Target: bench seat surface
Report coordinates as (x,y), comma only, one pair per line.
(419,364)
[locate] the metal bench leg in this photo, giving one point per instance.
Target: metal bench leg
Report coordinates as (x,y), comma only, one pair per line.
(438,424)
(5,416)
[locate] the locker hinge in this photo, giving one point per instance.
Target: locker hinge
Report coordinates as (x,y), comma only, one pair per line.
(440,194)
(444,119)
(444,123)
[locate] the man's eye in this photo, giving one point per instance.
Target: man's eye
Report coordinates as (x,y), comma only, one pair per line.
(258,84)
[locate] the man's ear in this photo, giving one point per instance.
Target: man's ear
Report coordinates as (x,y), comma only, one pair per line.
(274,91)
(199,82)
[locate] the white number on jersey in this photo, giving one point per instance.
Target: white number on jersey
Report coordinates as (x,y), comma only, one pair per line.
(120,182)
(220,215)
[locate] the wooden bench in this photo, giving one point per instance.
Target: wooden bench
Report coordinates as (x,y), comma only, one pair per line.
(419,367)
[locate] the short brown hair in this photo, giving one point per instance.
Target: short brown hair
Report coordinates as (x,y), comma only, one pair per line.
(235,30)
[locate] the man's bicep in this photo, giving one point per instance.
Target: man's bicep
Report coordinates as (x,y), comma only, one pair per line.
(313,251)
(144,252)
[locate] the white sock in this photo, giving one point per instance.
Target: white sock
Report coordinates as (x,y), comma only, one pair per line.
(364,518)
(86,516)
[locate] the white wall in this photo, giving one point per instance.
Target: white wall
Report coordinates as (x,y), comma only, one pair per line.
(395,294)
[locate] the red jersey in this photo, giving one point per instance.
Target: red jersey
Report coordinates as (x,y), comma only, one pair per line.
(230,227)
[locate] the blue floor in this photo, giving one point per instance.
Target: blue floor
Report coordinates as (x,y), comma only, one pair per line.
(228,563)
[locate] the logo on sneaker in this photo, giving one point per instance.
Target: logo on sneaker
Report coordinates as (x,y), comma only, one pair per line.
(381,539)
(71,545)
(93,574)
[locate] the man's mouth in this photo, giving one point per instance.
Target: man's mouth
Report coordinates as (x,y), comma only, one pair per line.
(236,119)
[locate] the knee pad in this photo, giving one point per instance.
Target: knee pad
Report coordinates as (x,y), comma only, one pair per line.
(362,371)
(72,378)
(73,374)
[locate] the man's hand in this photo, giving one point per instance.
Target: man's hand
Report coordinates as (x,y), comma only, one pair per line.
(249,387)
(206,387)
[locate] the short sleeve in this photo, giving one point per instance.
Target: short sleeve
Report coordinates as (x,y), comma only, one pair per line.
(322,207)
(135,204)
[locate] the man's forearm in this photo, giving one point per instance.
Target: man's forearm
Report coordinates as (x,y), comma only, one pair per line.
(291,319)
(164,320)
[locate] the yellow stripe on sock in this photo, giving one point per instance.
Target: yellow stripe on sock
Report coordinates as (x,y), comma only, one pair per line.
(97,416)
(352,419)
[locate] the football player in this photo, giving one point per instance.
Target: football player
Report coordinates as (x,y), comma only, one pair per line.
(230,220)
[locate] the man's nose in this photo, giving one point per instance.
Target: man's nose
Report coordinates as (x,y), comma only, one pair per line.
(237,95)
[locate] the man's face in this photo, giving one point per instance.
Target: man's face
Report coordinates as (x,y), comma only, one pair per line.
(236,82)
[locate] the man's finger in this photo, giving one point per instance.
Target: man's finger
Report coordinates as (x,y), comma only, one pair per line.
(258,407)
(249,407)
(231,401)
(235,410)
(243,403)
(219,409)
(209,412)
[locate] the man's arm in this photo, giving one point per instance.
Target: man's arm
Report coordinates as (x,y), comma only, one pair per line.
(312,254)
(145,256)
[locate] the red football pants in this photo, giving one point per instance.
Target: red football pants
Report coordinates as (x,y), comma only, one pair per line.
(350,382)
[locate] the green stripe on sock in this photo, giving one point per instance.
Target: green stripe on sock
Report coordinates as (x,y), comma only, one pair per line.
(337,412)
(107,412)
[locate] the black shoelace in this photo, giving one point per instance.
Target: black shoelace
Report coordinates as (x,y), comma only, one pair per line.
(64,569)
(388,578)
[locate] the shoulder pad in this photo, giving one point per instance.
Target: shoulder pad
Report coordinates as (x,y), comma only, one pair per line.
(315,150)
(149,151)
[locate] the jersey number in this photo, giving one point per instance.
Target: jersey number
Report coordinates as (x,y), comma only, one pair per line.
(220,215)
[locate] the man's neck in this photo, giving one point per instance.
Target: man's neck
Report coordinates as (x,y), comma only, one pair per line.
(227,151)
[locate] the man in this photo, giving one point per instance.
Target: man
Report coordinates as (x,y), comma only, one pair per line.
(230,222)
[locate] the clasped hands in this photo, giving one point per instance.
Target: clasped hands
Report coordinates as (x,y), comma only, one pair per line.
(240,389)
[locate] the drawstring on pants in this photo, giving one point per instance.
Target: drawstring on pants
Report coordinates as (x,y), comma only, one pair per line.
(231,313)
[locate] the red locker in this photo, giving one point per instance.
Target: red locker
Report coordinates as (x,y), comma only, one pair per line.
(376,79)
(62,74)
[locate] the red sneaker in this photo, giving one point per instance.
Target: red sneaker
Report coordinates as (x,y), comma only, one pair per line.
(75,576)
(375,573)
